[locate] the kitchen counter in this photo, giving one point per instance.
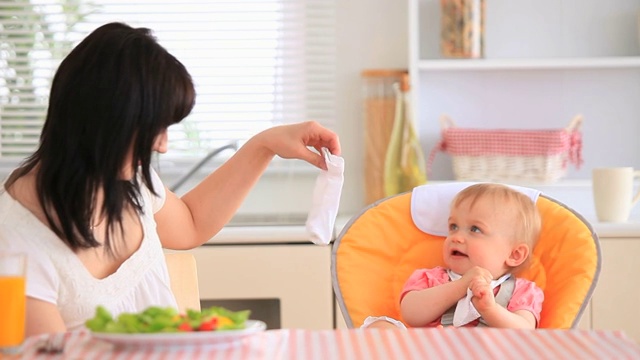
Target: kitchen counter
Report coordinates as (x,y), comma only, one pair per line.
(261,234)
(619,230)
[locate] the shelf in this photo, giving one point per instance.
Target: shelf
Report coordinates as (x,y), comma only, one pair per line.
(530,64)
(545,61)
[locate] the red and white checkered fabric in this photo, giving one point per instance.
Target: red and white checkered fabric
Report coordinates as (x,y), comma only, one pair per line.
(473,142)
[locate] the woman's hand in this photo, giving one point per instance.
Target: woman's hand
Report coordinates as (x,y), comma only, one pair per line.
(293,142)
(189,221)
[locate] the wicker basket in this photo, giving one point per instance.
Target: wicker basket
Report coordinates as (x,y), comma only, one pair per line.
(510,155)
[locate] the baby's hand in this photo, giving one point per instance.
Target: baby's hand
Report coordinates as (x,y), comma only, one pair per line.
(476,272)
(483,297)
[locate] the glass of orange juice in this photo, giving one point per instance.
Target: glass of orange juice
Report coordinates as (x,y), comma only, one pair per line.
(12,301)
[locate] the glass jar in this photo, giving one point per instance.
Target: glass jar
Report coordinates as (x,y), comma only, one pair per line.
(379,104)
(462,28)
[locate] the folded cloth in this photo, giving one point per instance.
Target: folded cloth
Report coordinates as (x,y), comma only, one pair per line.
(465,311)
(326,200)
(430,204)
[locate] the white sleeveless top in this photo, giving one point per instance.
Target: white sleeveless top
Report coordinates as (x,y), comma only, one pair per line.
(56,275)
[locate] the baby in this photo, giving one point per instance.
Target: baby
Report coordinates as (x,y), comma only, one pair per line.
(492,232)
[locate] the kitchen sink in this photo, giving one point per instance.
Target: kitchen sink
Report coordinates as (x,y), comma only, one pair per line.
(297,219)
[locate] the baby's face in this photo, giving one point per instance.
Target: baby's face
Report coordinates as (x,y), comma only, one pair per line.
(481,235)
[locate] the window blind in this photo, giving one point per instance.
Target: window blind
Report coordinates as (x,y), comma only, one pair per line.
(255,64)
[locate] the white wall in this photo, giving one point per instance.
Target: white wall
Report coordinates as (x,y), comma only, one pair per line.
(371,34)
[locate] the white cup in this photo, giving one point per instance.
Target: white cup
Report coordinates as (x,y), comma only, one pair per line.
(613,193)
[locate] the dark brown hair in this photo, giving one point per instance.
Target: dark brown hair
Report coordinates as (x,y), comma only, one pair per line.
(111,96)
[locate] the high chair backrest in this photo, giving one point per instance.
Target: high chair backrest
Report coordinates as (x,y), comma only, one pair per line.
(183,275)
(379,248)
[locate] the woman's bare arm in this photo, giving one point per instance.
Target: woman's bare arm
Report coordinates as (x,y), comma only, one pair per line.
(188,222)
(43,317)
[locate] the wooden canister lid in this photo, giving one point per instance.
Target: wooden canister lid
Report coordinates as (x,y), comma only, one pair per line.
(372,73)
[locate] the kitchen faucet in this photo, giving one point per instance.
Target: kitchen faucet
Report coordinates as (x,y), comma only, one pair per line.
(232,145)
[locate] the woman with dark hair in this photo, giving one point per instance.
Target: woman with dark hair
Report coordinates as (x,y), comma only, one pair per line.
(87,207)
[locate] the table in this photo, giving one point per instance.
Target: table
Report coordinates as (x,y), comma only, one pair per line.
(425,343)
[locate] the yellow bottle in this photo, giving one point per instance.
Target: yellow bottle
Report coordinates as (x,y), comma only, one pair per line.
(404,166)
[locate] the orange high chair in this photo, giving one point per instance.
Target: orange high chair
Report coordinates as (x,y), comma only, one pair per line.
(381,246)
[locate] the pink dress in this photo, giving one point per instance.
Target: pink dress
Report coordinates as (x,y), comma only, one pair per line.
(526,294)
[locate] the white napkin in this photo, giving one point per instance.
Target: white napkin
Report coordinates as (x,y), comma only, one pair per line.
(430,204)
(465,311)
(326,200)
